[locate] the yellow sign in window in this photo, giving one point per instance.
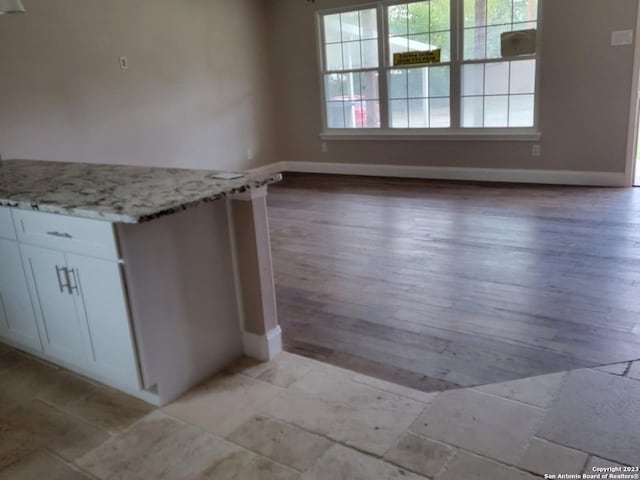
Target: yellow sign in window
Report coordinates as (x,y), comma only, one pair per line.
(416,58)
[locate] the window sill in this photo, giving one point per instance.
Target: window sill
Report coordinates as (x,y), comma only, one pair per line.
(421,135)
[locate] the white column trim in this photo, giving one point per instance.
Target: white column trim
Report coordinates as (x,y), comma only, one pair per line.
(263,347)
(234,262)
(250,194)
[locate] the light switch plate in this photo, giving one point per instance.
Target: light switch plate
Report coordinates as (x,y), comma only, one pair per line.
(621,37)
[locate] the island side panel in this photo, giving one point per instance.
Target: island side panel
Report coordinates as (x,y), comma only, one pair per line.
(180,282)
(262,334)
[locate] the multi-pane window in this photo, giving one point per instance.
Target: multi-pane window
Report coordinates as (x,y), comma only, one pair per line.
(472,84)
(419,97)
(351,63)
(497,93)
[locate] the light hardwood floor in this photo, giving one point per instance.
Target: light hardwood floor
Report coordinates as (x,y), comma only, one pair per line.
(437,285)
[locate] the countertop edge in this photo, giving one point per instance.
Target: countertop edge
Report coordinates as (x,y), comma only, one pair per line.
(111,217)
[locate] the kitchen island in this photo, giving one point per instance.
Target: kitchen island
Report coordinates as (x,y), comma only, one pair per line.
(146,279)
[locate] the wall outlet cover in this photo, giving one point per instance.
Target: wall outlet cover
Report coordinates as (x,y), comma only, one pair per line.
(536,151)
(621,37)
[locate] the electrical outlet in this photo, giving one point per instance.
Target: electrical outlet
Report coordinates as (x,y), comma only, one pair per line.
(249,154)
(535,150)
(324,147)
(124,63)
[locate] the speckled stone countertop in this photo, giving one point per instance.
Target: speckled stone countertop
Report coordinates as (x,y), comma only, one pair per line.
(114,193)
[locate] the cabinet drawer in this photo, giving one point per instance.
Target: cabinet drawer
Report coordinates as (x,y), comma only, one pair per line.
(6,224)
(71,234)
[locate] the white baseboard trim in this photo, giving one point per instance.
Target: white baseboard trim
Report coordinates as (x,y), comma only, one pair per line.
(263,347)
(556,177)
(550,177)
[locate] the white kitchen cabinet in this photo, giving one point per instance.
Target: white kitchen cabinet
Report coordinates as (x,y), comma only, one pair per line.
(63,296)
(82,313)
(98,290)
(149,308)
(17,319)
(6,224)
(163,276)
(63,335)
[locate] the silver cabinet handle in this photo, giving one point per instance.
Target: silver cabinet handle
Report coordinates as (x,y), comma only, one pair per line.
(66,276)
(71,274)
(60,234)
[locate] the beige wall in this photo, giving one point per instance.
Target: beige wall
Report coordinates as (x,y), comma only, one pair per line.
(584,108)
(196,93)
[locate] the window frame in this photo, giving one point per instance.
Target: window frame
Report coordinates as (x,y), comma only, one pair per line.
(455,131)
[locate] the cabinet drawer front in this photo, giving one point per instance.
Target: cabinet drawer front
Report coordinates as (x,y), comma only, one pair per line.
(71,234)
(6,224)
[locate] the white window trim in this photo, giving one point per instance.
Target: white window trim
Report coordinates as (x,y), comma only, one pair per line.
(455,132)
(470,134)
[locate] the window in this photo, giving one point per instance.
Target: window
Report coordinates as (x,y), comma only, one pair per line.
(419,97)
(351,69)
(471,89)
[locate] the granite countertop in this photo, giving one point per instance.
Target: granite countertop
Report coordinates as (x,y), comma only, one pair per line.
(114,193)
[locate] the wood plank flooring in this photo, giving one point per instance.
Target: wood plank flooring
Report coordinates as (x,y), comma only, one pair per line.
(438,285)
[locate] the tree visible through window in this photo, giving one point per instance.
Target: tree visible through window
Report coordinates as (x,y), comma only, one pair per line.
(419,97)
(472,87)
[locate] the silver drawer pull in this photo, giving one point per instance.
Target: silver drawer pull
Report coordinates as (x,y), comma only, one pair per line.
(59,234)
(71,275)
(60,284)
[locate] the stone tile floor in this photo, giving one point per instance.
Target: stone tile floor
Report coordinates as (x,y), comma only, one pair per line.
(298,419)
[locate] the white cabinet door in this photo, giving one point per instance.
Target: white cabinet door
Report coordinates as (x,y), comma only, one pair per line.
(17,319)
(99,293)
(61,329)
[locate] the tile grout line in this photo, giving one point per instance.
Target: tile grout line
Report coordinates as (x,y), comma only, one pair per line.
(435,394)
(231,374)
(343,444)
(114,436)
(72,464)
(586,462)
(589,455)
(484,457)
(350,374)
(448,463)
(201,429)
(540,422)
(512,400)
(264,456)
(456,449)
(76,416)
(584,465)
